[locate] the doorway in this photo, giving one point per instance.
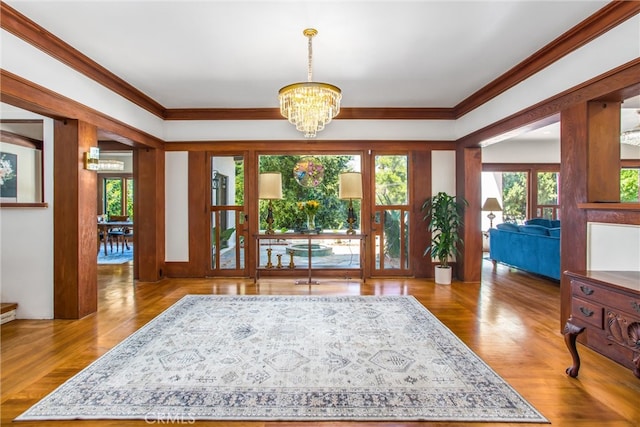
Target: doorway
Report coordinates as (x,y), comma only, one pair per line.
(228,233)
(390,225)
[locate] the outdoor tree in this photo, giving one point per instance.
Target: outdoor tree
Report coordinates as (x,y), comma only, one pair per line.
(333,211)
(629,185)
(514,195)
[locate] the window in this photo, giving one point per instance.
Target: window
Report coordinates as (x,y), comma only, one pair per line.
(117,196)
(630,185)
(524,191)
(547,205)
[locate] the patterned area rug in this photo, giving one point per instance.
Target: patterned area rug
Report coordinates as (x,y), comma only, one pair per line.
(116,257)
(289,358)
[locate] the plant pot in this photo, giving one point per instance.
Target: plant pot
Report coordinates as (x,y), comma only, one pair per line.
(443,275)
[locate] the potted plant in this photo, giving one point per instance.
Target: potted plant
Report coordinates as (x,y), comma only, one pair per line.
(444,216)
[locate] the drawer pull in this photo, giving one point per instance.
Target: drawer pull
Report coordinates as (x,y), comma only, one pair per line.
(636,306)
(585,290)
(586,311)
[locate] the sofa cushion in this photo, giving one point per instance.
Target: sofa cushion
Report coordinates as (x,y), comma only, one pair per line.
(555,223)
(554,232)
(534,229)
(539,221)
(507,226)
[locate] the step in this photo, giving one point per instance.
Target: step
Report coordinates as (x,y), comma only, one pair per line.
(7,312)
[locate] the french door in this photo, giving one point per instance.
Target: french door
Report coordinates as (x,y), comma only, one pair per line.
(390,216)
(228,233)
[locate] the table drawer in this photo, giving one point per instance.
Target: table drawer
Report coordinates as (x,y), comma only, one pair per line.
(587,312)
(586,290)
(624,301)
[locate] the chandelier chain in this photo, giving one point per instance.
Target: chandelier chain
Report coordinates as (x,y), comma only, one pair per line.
(310,65)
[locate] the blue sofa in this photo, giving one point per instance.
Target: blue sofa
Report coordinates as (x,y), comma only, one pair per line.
(532,247)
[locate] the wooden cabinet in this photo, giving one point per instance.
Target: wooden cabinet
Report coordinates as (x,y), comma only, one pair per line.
(605,316)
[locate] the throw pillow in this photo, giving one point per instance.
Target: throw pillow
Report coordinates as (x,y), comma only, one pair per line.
(539,221)
(554,232)
(534,229)
(507,226)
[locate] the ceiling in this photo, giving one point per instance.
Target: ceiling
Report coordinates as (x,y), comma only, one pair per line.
(238,54)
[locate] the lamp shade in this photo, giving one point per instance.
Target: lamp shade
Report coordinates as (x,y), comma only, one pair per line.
(270,185)
(350,185)
(491,204)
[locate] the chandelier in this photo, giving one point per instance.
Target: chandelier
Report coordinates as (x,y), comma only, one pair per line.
(310,105)
(631,136)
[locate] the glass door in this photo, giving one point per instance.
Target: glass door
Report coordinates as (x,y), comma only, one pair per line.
(390,216)
(227,229)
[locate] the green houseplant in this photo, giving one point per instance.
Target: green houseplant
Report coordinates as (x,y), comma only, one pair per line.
(444,216)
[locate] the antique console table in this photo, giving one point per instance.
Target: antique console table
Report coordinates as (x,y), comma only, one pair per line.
(605,316)
(278,258)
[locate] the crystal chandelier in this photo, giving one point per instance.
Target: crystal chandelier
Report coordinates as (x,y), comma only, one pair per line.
(310,105)
(631,136)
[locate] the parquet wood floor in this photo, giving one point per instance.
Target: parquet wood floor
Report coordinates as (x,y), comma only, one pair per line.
(511,320)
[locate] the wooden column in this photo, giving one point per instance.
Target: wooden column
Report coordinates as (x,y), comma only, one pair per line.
(469,186)
(420,236)
(149,201)
(199,213)
(589,171)
(75,235)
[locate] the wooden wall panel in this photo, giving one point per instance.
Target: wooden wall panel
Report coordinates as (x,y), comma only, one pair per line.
(199,203)
(469,186)
(198,220)
(149,202)
(423,266)
(603,170)
(573,188)
(74,217)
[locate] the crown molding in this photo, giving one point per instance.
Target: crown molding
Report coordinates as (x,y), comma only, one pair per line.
(274,114)
(597,24)
(30,96)
(610,16)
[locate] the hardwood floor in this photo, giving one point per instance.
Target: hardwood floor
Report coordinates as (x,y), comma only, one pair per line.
(511,320)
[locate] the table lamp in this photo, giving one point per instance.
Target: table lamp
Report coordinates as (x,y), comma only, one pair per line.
(270,188)
(350,188)
(491,204)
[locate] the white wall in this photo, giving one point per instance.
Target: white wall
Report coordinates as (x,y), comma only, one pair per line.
(613,247)
(176,194)
(522,151)
(629,152)
(26,241)
(443,172)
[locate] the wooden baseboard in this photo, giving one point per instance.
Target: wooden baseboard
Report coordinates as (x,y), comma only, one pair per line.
(7,312)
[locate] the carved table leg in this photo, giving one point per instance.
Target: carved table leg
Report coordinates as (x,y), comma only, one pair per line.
(571,332)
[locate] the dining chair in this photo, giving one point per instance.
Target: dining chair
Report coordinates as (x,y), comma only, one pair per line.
(117,233)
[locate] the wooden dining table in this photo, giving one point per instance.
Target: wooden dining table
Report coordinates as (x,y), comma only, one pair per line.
(106,226)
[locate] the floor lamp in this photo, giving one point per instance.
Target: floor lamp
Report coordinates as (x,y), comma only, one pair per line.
(350,188)
(270,188)
(491,204)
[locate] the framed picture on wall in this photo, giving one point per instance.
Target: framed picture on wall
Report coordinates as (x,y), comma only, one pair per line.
(8,177)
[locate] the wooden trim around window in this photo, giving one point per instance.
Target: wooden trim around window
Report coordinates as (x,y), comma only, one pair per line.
(24,205)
